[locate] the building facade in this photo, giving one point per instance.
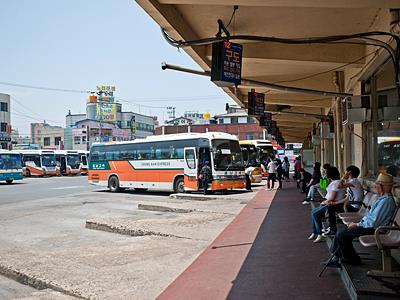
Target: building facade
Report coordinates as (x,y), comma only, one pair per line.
(47,136)
(5,121)
(105,121)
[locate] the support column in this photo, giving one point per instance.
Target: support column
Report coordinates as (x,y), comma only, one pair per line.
(347,146)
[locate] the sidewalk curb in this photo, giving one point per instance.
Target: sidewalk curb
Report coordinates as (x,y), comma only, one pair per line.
(125,231)
(201,197)
(37,283)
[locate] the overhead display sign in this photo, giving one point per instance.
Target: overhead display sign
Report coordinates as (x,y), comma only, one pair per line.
(106,112)
(256,103)
(226,67)
(266,120)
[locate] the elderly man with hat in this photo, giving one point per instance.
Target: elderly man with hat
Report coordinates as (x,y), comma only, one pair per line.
(380,214)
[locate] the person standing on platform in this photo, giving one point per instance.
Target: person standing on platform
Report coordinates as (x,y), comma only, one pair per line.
(285,167)
(272,172)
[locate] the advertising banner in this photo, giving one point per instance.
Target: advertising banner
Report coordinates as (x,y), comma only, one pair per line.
(106,112)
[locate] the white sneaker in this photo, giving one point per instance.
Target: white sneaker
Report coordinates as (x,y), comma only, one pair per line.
(305,202)
(319,239)
(327,229)
(312,236)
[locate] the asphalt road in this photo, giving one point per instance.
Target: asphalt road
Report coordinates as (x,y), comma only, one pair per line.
(34,188)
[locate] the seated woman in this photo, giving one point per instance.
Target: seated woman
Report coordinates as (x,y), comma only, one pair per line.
(352,201)
(333,193)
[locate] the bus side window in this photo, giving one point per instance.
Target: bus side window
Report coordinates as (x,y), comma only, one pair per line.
(179,153)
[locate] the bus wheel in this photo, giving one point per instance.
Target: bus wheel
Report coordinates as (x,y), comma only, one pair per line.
(9,181)
(28,173)
(179,186)
(113,184)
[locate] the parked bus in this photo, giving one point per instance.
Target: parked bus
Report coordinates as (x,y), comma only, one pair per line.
(389,156)
(83,159)
(251,161)
(38,162)
(68,161)
(265,150)
(168,162)
(10,166)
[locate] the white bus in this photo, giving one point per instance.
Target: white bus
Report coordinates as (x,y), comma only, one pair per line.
(168,162)
(38,162)
(68,161)
(10,166)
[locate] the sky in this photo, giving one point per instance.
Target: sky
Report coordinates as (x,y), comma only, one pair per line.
(75,44)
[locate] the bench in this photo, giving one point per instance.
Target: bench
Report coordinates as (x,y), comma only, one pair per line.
(385,238)
(354,217)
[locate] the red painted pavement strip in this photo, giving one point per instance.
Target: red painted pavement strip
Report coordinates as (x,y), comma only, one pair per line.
(210,276)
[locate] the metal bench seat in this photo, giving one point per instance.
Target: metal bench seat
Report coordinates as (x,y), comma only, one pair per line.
(368,201)
(385,238)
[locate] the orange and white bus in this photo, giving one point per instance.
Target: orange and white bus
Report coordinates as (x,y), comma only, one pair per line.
(68,161)
(168,162)
(38,162)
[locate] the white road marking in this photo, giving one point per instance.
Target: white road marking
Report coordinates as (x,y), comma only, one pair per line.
(69,187)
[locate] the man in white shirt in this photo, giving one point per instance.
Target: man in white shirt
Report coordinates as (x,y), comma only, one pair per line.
(272,171)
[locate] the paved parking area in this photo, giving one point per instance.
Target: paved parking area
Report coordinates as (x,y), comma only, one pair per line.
(47,243)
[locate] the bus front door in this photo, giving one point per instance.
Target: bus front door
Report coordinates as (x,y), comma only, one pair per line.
(191,173)
(63,165)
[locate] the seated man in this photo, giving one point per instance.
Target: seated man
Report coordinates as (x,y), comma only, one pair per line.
(380,214)
(352,201)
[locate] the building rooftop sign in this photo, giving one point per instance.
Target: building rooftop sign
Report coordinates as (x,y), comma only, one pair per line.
(226,68)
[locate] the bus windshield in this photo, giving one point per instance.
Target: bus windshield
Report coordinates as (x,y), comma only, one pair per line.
(250,155)
(73,161)
(266,152)
(227,155)
(10,161)
(49,160)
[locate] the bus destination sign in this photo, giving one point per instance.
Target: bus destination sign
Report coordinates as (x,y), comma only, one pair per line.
(226,68)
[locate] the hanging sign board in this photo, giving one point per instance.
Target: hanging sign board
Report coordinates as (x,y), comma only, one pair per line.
(256,104)
(266,120)
(226,67)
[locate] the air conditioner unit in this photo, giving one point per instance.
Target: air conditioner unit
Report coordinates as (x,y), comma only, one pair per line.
(388,103)
(325,131)
(356,109)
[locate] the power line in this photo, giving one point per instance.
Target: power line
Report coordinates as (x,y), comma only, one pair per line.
(44,88)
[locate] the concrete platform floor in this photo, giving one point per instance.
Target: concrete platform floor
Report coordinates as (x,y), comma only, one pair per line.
(263,254)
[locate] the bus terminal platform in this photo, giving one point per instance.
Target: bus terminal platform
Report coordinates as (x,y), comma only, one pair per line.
(264,253)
